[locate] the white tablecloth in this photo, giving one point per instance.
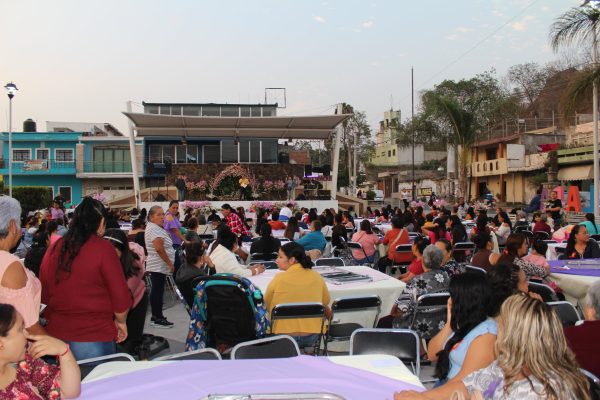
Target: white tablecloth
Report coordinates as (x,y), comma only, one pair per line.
(388,290)
(551,254)
(398,372)
(575,287)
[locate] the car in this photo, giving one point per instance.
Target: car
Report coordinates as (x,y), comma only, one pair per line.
(378,195)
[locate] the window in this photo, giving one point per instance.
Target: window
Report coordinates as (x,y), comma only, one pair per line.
(229,152)
(111,159)
(244,151)
(211,111)
(155,154)
(268,112)
(151,109)
(244,111)
(269,151)
(165,110)
(168,154)
(255,151)
(51,191)
(256,112)
(65,191)
(179,154)
(176,110)
(230,111)
(211,154)
(394,152)
(63,155)
(389,153)
(191,111)
(42,154)
(21,155)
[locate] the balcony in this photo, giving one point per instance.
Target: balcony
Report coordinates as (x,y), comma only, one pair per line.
(490,167)
(576,155)
(111,167)
(39,167)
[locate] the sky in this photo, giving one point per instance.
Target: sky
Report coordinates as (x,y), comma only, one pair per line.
(81,61)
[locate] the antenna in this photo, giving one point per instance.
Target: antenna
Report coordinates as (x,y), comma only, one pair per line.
(391,102)
(276,96)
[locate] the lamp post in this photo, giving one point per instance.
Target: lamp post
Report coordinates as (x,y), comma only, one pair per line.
(11,88)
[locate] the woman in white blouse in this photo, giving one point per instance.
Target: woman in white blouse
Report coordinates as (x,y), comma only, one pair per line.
(224,260)
(504,229)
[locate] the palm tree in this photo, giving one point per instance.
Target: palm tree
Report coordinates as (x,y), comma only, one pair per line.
(577,26)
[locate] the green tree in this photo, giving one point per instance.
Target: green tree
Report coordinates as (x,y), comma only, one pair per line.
(528,81)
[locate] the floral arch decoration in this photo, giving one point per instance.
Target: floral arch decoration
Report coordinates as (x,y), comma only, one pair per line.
(235,171)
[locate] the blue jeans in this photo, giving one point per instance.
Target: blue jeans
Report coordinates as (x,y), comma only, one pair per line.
(85,350)
(156,295)
(440,382)
(304,340)
(365,260)
(177,262)
(180,194)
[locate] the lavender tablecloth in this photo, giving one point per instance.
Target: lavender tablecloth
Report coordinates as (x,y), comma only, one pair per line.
(197,379)
(571,271)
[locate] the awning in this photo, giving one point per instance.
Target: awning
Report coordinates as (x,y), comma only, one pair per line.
(576,173)
(317,127)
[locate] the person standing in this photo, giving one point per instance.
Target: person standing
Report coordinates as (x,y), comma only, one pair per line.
(180,185)
(173,228)
(555,205)
(159,263)
(244,182)
(290,185)
(56,212)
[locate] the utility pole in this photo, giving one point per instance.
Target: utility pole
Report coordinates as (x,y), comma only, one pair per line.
(412,88)
(595,102)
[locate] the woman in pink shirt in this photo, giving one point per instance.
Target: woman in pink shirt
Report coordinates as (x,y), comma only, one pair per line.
(52,229)
(132,259)
(368,241)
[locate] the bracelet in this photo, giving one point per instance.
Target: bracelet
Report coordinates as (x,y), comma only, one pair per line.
(65,353)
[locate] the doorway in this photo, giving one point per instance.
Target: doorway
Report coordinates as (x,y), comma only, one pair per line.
(66,192)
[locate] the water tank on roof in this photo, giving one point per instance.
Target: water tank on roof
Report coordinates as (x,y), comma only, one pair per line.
(29,126)
(284,158)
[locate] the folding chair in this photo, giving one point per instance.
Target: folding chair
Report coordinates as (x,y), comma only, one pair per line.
(551,241)
(594,384)
(546,292)
(350,230)
(471,268)
(284,240)
(267,264)
(256,238)
(330,262)
(527,234)
(300,311)
(281,346)
(401,248)
(560,251)
(401,343)
(202,354)
(429,302)
(260,257)
(358,246)
(209,241)
(86,366)
(566,311)
(595,237)
(342,332)
(344,252)
(542,235)
(206,236)
(465,246)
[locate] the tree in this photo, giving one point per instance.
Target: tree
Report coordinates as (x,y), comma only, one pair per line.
(528,81)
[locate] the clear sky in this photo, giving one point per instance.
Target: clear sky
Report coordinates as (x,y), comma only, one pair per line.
(82,60)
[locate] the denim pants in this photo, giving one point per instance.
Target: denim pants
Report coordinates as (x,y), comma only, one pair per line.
(177,262)
(243,193)
(180,194)
(156,295)
(85,350)
(439,383)
(304,340)
(365,260)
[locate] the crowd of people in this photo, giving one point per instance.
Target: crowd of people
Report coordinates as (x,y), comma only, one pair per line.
(487,340)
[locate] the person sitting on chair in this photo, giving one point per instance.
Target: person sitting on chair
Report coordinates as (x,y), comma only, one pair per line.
(195,259)
(368,240)
(534,204)
(579,245)
(315,239)
(276,224)
(267,245)
(223,257)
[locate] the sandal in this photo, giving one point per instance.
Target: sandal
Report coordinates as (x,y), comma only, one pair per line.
(425,360)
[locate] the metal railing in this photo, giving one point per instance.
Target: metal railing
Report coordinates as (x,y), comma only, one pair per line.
(107,166)
(38,165)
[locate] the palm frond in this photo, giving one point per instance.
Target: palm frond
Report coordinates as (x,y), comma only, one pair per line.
(575,26)
(580,87)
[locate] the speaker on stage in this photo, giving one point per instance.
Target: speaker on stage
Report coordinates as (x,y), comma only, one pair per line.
(150,168)
(307,170)
(167,167)
(326,170)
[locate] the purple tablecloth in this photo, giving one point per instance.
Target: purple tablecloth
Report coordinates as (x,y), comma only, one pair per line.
(572,271)
(197,379)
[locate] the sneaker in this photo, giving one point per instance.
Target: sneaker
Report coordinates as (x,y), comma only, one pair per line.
(161,323)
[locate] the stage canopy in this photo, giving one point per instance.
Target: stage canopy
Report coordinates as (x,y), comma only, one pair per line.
(315,127)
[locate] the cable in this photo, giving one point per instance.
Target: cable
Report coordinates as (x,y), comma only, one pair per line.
(468,51)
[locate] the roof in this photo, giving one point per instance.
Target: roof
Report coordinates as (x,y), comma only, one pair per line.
(500,140)
(317,127)
(209,104)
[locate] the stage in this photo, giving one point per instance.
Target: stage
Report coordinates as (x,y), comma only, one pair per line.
(320,205)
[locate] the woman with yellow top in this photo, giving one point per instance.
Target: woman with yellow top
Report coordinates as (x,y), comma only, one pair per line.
(299,284)
(244,182)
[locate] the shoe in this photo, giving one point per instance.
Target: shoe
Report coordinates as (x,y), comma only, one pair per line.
(161,323)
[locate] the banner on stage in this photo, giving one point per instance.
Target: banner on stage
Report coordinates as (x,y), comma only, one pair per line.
(424,191)
(35,165)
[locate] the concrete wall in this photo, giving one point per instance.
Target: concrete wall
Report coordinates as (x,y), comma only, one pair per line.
(531,140)
(53,181)
(405,155)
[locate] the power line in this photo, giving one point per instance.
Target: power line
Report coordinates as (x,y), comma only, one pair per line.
(467,52)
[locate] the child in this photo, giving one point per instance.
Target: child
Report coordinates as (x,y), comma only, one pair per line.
(538,254)
(215,224)
(428,220)
(550,221)
(24,375)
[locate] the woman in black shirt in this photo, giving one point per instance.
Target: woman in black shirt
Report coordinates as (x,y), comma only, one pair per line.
(266,245)
(555,205)
(339,231)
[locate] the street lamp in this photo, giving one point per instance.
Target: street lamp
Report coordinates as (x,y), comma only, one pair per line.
(11,88)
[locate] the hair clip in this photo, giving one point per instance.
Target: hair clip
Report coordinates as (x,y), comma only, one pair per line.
(506,252)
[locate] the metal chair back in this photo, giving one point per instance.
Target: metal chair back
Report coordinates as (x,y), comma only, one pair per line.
(205,236)
(566,311)
(542,235)
(260,257)
(358,246)
(330,262)
(546,292)
(430,301)
(472,268)
(202,354)
(299,311)
(281,346)
(267,264)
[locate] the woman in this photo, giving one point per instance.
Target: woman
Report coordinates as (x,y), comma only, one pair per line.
(432,280)
(416,267)
(338,233)
(385,216)
(290,185)
(137,225)
(329,217)
(84,287)
(437,231)
(449,264)
(466,343)
(24,374)
(326,230)
(203,228)
(370,212)
(517,247)
(143,215)
(579,245)
(348,221)
(52,229)
(267,245)
(589,221)
(191,234)
(18,286)
(161,255)
(297,284)
(224,259)
(507,280)
(481,226)
(470,214)
(132,260)
(32,226)
(541,224)
(195,260)
(173,228)
(368,240)
(312,215)
(458,234)
(377,216)
(503,229)
(407,220)
(527,367)
(484,258)
(393,238)
(292,230)
(213,216)
(260,220)
(35,255)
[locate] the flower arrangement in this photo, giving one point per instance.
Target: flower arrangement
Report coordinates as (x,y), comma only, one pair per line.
(260,204)
(200,186)
(101,198)
(203,206)
(439,202)
(279,185)
(234,171)
(295,207)
(268,186)
(417,203)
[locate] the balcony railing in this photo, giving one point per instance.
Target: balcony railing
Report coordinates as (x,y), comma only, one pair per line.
(107,166)
(490,167)
(48,165)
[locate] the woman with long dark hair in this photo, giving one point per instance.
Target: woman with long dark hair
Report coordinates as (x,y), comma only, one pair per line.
(329,217)
(312,215)
(503,229)
(298,284)
(337,233)
(507,280)
(408,221)
(484,258)
(84,287)
(267,245)
(466,343)
(261,219)
(579,245)
(589,221)
(35,255)
(437,231)
(458,234)
(480,226)
(292,230)
(516,247)
(132,259)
